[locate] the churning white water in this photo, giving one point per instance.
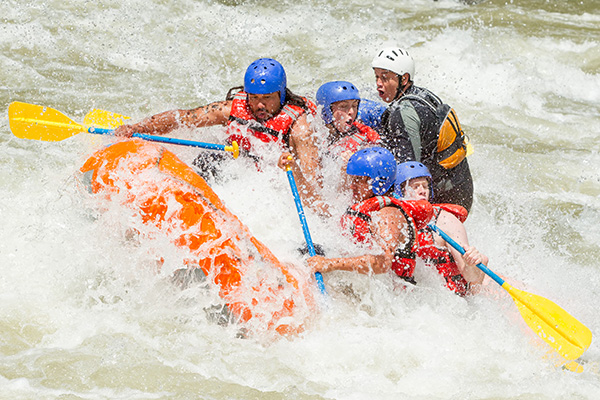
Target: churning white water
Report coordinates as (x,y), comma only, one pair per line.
(84,313)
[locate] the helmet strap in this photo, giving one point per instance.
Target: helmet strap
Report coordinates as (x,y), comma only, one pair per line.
(402,89)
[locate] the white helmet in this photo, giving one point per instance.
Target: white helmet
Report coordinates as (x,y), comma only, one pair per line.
(396,60)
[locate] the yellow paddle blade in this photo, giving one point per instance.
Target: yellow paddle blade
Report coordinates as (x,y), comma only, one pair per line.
(30,121)
(565,334)
(470,149)
(104,119)
(574,366)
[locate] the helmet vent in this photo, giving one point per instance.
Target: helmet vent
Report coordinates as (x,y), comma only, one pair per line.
(396,60)
(264,76)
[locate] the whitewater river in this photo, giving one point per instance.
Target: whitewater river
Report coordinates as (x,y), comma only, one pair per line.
(85,315)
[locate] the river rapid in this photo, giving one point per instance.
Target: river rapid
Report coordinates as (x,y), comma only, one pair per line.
(84,314)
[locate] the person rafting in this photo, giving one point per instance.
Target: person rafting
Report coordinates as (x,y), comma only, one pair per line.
(418,126)
(339,102)
(389,225)
(413,182)
(263,111)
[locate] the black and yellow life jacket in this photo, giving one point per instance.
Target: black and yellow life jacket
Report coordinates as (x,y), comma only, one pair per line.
(452,142)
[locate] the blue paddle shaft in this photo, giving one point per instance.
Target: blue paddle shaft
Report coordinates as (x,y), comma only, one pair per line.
(161,139)
(461,250)
(309,243)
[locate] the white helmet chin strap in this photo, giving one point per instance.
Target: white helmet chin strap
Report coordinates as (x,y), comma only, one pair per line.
(401,89)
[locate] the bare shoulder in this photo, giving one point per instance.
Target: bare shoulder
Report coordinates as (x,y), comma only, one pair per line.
(301,128)
(447,218)
(210,114)
(217,106)
(392,214)
(387,226)
(452,226)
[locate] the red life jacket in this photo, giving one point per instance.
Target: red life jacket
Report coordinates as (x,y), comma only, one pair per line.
(276,129)
(441,258)
(362,136)
(416,212)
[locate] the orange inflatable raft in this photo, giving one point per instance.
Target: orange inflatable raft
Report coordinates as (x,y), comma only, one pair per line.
(165,193)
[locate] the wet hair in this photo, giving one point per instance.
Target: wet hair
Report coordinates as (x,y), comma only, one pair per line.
(295,100)
(290,98)
(232,92)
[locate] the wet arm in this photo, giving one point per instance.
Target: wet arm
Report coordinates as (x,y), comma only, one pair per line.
(467,264)
(471,258)
(308,195)
(160,124)
(366,264)
(304,149)
(387,227)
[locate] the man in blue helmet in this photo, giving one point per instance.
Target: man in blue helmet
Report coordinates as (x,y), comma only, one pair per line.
(264,111)
(413,182)
(377,218)
(418,126)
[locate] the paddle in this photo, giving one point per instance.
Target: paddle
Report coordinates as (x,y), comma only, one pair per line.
(565,334)
(309,242)
(30,121)
(104,119)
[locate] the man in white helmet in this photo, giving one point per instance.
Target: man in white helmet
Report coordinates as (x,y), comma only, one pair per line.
(418,126)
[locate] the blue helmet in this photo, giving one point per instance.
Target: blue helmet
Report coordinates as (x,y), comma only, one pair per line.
(378,164)
(370,112)
(410,170)
(332,92)
(264,76)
